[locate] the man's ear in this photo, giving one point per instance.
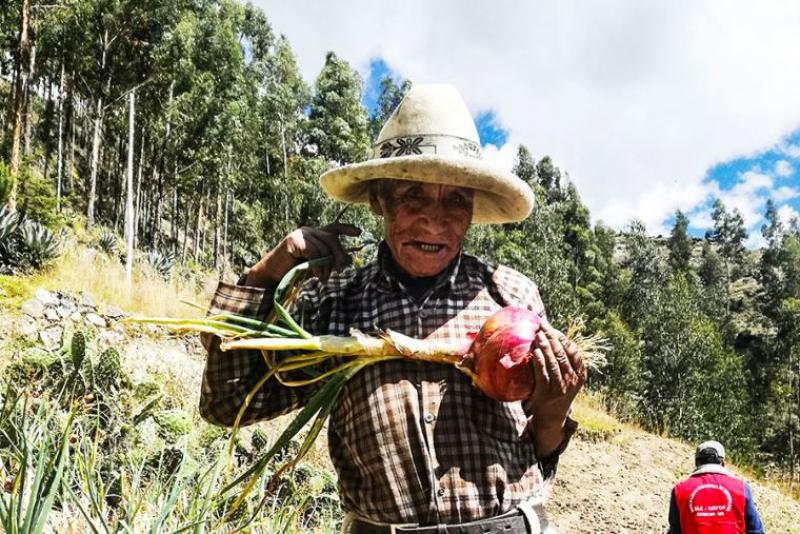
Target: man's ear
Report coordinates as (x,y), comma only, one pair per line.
(375,204)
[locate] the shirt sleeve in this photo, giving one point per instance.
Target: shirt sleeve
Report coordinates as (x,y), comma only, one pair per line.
(752,521)
(229,377)
(674,515)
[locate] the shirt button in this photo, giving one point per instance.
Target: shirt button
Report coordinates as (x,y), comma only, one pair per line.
(429,418)
(440,492)
(423,314)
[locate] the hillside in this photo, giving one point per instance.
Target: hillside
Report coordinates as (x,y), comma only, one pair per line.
(616,478)
(613,477)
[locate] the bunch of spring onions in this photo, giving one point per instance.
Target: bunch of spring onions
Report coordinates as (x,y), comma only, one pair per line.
(497,359)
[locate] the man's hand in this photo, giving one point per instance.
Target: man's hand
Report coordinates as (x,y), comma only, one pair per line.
(303,244)
(559,374)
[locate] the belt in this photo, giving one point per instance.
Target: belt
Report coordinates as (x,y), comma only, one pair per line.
(507,524)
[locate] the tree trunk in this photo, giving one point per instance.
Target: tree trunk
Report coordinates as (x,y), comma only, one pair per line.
(20,88)
(129,200)
(69,164)
(47,138)
(225,260)
(196,251)
(218,228)
(186,218)
(117,179)
(29,100)
(174,225)
(98,125)
(283,151)
(60,151)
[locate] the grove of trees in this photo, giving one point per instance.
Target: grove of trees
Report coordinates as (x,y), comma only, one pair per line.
(222,160)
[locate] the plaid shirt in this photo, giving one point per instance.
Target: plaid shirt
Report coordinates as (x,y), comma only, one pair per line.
(412,442)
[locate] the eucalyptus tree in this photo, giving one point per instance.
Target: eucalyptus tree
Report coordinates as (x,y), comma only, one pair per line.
(337,120)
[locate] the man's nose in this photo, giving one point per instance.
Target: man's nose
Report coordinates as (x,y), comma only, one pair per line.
(435,216)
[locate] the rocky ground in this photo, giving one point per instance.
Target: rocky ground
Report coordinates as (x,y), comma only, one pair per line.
(614,478)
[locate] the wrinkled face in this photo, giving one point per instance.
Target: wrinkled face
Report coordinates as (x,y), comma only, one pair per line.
(424,223)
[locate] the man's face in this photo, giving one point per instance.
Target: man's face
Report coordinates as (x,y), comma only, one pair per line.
(424,223)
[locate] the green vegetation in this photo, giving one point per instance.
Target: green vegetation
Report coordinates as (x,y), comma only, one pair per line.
(228,146)
(80,439)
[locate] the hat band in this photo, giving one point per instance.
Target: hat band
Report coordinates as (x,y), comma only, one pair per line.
(432,144)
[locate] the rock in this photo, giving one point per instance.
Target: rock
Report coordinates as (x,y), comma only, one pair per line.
(112,312)
(63,312)
(51,338)
(76,316)
(33,307)
(93,318)
(28,329)
(87,301)
(111,337)
(45,297)
(51,315)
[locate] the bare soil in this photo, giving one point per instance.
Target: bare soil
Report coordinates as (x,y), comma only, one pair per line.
(622,484)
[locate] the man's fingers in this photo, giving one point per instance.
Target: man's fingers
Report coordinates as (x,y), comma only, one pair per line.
(342,229)
(340,257)
(551,361)
(540,375)
(314,247)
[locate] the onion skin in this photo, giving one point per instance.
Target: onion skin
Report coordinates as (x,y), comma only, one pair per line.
(501,354)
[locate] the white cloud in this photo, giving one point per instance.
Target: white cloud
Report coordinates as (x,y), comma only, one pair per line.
(788,149)
(787,213)
(503,157)
(635,100)
(783,168)
(782,194)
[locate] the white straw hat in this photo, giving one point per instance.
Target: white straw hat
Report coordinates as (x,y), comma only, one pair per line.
(431,137)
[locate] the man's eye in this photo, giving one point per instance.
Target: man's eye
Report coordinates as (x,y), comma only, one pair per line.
(458,201)
(414,193)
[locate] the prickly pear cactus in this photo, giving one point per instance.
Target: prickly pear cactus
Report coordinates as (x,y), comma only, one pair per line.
(168,461)
(77,349)
(224,507)
(107,371)
(173,424)
(259,440)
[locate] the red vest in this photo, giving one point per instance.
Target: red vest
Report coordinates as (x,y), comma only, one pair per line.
(711,503)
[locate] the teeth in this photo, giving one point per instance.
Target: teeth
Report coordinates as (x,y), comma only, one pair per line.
(429,248)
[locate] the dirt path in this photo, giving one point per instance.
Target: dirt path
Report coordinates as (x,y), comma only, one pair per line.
(622,485)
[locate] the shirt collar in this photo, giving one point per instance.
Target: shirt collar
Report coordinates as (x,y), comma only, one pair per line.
(711,468)
(388,270)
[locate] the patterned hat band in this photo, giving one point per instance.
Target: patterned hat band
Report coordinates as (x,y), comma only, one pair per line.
(432,144)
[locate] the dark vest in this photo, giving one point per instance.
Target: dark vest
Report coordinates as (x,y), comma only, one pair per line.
(711,502)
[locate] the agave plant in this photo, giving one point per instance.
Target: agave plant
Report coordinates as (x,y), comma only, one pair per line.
(39,244)
(8,227)
(8,224)
(162,263)
(108,242)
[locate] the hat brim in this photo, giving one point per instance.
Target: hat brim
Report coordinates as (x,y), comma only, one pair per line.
(500,196)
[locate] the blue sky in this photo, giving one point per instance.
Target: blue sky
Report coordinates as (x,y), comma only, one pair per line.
(744,183)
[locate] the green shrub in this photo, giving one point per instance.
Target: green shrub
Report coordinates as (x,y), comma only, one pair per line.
(6,183)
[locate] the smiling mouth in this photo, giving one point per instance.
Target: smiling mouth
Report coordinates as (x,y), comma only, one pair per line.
(427,247)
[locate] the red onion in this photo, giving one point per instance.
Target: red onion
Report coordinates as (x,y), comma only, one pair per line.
(501,354)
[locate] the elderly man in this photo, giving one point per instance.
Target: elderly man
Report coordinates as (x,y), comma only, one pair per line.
(712,499)
(416,446)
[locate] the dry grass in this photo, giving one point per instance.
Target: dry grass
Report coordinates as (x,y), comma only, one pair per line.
(103,277)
